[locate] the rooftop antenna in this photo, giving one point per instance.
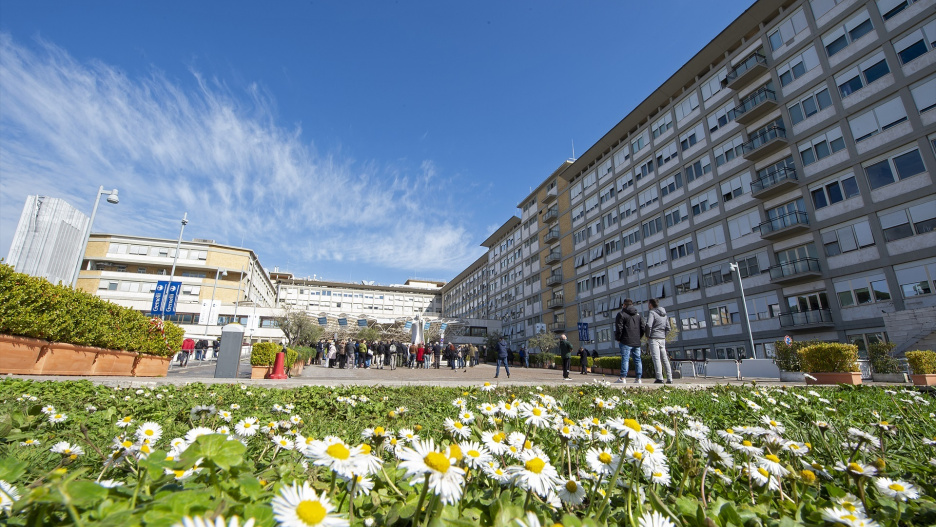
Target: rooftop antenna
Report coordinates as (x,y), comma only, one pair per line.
(573,150)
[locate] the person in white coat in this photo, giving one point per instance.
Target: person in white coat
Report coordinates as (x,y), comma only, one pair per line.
(332,353)
(656,328)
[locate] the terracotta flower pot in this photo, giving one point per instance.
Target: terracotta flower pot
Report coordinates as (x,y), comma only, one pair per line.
(114,363)
(19,355)
(260,372)
(853,377)
(924,379)
(67,359)
(151,366)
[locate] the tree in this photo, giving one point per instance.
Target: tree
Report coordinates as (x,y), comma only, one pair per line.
(369,334)
(490,342)
(298,327)
(544,341)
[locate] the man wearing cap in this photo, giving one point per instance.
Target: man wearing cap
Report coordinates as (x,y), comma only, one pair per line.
(628,329)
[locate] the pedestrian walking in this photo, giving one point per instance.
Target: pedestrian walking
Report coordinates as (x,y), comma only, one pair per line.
(656,329)
(502,357)
(188,346)
(583,359)
(628,329)
(565,352)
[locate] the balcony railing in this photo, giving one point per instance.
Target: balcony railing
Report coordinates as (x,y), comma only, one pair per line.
(806,319)
(553,257)
(556,326)
(554,279)
(551,236)
(774,182)
(555,303)
(754,106)
(745,71)
(551,195)
(786,223)
(787,271)
(551,215)
(764,143)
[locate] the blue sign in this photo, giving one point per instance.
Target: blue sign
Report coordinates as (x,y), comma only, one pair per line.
(172,295)
(426,327)
(443,326)
(408,325)
(158,293)
(323,321)
(362,322)
(583,331)
(787,340)
(342,322)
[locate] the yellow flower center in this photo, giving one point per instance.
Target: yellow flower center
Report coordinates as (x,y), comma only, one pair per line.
(178,473)
(455,451)
(527,445)
(338,451)
(474,453)
(379,431)
(638,455)
(507,406)
(649,448)
(772,457)
(896,487)
(773,423)
(850,507)
(658,474)
(437,462)
(595,421)
(535,465)
(498,437)
(247,425)
(850,517)
(730,431)
(746,443)
(73,456)
(565,430)
(365,448)
(457,425)
(391,414)
(632,424)
(487,384)
(127,443)
(127,419)
(145,449)
(794,446)
(855,467)
(466,416)
(149,431)
(605,458)
(537,412)
(571,486)
(310,512)
(763,472)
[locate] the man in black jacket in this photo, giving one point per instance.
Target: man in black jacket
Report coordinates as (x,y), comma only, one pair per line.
(565,352)
(628,328)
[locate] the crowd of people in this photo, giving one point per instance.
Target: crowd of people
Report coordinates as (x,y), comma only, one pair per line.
(352,353)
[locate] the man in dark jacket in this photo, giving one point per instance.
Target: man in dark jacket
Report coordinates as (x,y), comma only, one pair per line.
(628,328)
(565,352)
(583,359)
(502,357)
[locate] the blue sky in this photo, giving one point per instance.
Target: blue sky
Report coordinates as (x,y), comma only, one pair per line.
(347,140)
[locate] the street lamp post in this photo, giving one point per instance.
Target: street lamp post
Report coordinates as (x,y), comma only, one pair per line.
(219,273)
(111,198)
(744,314)
(175,259)
(240,280)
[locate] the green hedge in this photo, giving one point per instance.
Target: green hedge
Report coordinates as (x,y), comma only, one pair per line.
(264,354)
(922,362)
(306,353)
(829,357)
(881,359)
(34,307)
(787,358)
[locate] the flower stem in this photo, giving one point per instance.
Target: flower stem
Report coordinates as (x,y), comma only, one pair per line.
(422,499)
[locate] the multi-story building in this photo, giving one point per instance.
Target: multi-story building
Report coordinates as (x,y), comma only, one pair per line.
(48,239)
(799,143)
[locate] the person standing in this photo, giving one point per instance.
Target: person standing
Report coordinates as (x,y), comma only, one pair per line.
(628,329)
(583,359)
(502,357)
(188,346)
(656,329)
(565,352)
(437,355)
(523,356)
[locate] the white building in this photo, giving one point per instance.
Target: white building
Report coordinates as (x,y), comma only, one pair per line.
(48,239)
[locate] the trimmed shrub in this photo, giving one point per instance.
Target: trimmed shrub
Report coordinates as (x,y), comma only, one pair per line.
(829,357)
(264,354)
(881,359)
(787,357)
(34,307)
(922,362)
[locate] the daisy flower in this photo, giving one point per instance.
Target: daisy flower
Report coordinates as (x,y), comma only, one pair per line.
(8,496)
(856,469)
(495,442)
(109,483)
(660,477)
(368,463)
(850,503)
(376,432)
(466,416)
(57,418)
(495,472)
(66,449)
(475,455)
(603,435)
(715,453)
(445,480)
(601,461)
(773,465)
(534,415)
(487,387)
(509,410)
(896,489)
(488,409)
(295,419)
(458,403)
(149,431)
(362,485)
(226,415)
(197,432)
(654,519)
(456,428)
(224,430)
(125,422)
(536,473)
(335,454)
(571,492)
(30,442)
(48,409)
(748,448)
(408,435)
(760,476)
(850,518)
(796,448)
(569,431)
(283,443)
(218,521)
(297,506)
(246,427)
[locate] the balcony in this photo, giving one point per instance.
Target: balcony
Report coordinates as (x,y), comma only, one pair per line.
(556,326)
(774,183)
(816,318)
(801,269)
(785,225)
(754,106)
(551,215)
(746,71)
(551,195)
(553,257)
(764,143)
(554,279)
(551,236)
(555,302)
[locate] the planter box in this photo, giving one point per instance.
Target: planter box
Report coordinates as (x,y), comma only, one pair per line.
(835,378)
(296,369)
(889,377)
(792,376)
(114,363)
(66,359)
(924,379)
(151,366)
(260,372)
(18,355)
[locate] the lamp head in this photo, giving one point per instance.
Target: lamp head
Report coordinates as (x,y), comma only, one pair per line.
(112,197)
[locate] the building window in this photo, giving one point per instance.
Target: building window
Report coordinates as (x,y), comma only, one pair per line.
(652,227)
(631,237)
(698,168)
(710,237)
(863,74)
(671,184)
(917,280)
(743,224)
(788,29)
(821,146)
(814,103)
(728,150)
(864,290)
(763,307)
(690,138)
(622,156)
(648,197)
(628,209)
(656,257)
(720,117)
(692,318)
(798,66)
(612,246)
(912,221)
(752,265)
(834,190)
(704,201)
(880,118)
(606,195)
(676,215)
(589,179)
(666,154)
(687,282)
(713,84)
(905,164)
(581,286)
(735,186)
(686,106)
(682,248)
(821,7)
(724,314)
(890,8)
(662,125)
(924,94)
(853,29)
(917,43)
(641,142)
(716,274)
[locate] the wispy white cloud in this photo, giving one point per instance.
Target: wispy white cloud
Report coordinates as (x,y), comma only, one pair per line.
(67,126)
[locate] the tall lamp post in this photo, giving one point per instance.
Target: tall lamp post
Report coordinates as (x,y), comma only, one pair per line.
(218,274)
(111,198)
(744,314)
(175,259)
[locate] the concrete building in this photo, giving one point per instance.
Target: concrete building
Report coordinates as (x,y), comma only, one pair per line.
(48,239)
(799,143)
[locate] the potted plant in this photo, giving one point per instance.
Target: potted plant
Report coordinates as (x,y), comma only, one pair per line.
(262,355)
(830,363)
(922,367)
(884,366)
(788,360)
